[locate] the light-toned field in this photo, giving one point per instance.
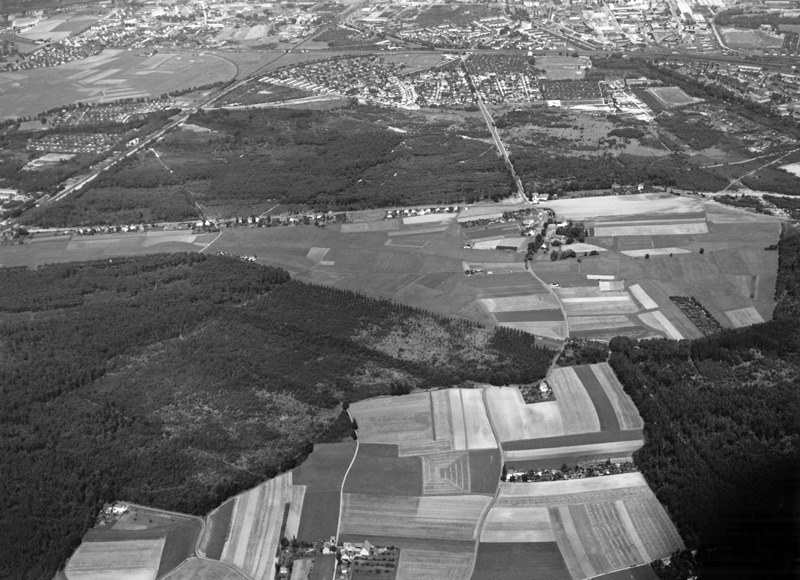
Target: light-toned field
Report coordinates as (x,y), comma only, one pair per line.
(577,410)
(126,560)
(568,486)
(111,75)
(505,242)
(433,565)
(626,411)
(197,569)
(612,285)
(301,568)
(744,316)
(514,420)
(517,303)
(663,229)
(579,323)
(616,449)
(362,227)
(434,517)
(657,321)
(476,421)
(443,418)
(645,300)
(317,255)
(394,419)
(641,204)
(591,301)
(600,276)
(429,218)
(750,39)
(519,524)
(602,535)
(256,525)
(654,252)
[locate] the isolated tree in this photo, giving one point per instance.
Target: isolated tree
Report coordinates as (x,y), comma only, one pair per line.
(647,256)
(702,251)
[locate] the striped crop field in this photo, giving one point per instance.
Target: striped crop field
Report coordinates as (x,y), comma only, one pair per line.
(577,410)
(416,564)
(600,322)
(256,526)
(476,421)
(553,315)
(517,303)
(125,559)
(394,419)
(514,420)
(434,517)
(459,416)
(652,525)
(572,486)
(446,473)
(606,415)
(627,413)
(517,524)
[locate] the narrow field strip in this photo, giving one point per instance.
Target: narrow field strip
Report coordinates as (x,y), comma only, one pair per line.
(478,429)
(627,413)
(598,322)
(626,521)
(617,449)
(577,410)
(567,486)
(602,405)
(645,300)
(641,253)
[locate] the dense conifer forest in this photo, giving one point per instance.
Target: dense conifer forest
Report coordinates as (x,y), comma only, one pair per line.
(180,380)
(722,425)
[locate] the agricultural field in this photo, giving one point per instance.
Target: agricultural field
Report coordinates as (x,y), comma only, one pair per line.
(599,524)
(141,543)
(689,248)
(197,569)
(109,76)
(126,559)
(435,517)
(261,517)
(591,417)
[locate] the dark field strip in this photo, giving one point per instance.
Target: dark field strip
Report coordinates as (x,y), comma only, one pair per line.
(605,410)
(520,561)
(104,535)
(569,440)
(484,470)
(219,530)
(378,470)
(616,330)
(324,469)
(530,316)
(509,291)
(433,279)
(454,546)
(181,540)
(324,567)
(644,572)
(320,515)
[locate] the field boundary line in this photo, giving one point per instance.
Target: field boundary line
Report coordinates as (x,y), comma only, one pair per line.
(211,242)
(344,480)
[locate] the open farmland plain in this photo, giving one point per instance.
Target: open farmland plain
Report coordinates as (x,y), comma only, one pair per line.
(109,76)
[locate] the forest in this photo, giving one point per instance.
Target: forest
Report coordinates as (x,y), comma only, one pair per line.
(179,380)
(573,173)
(338,160)
(722,426)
